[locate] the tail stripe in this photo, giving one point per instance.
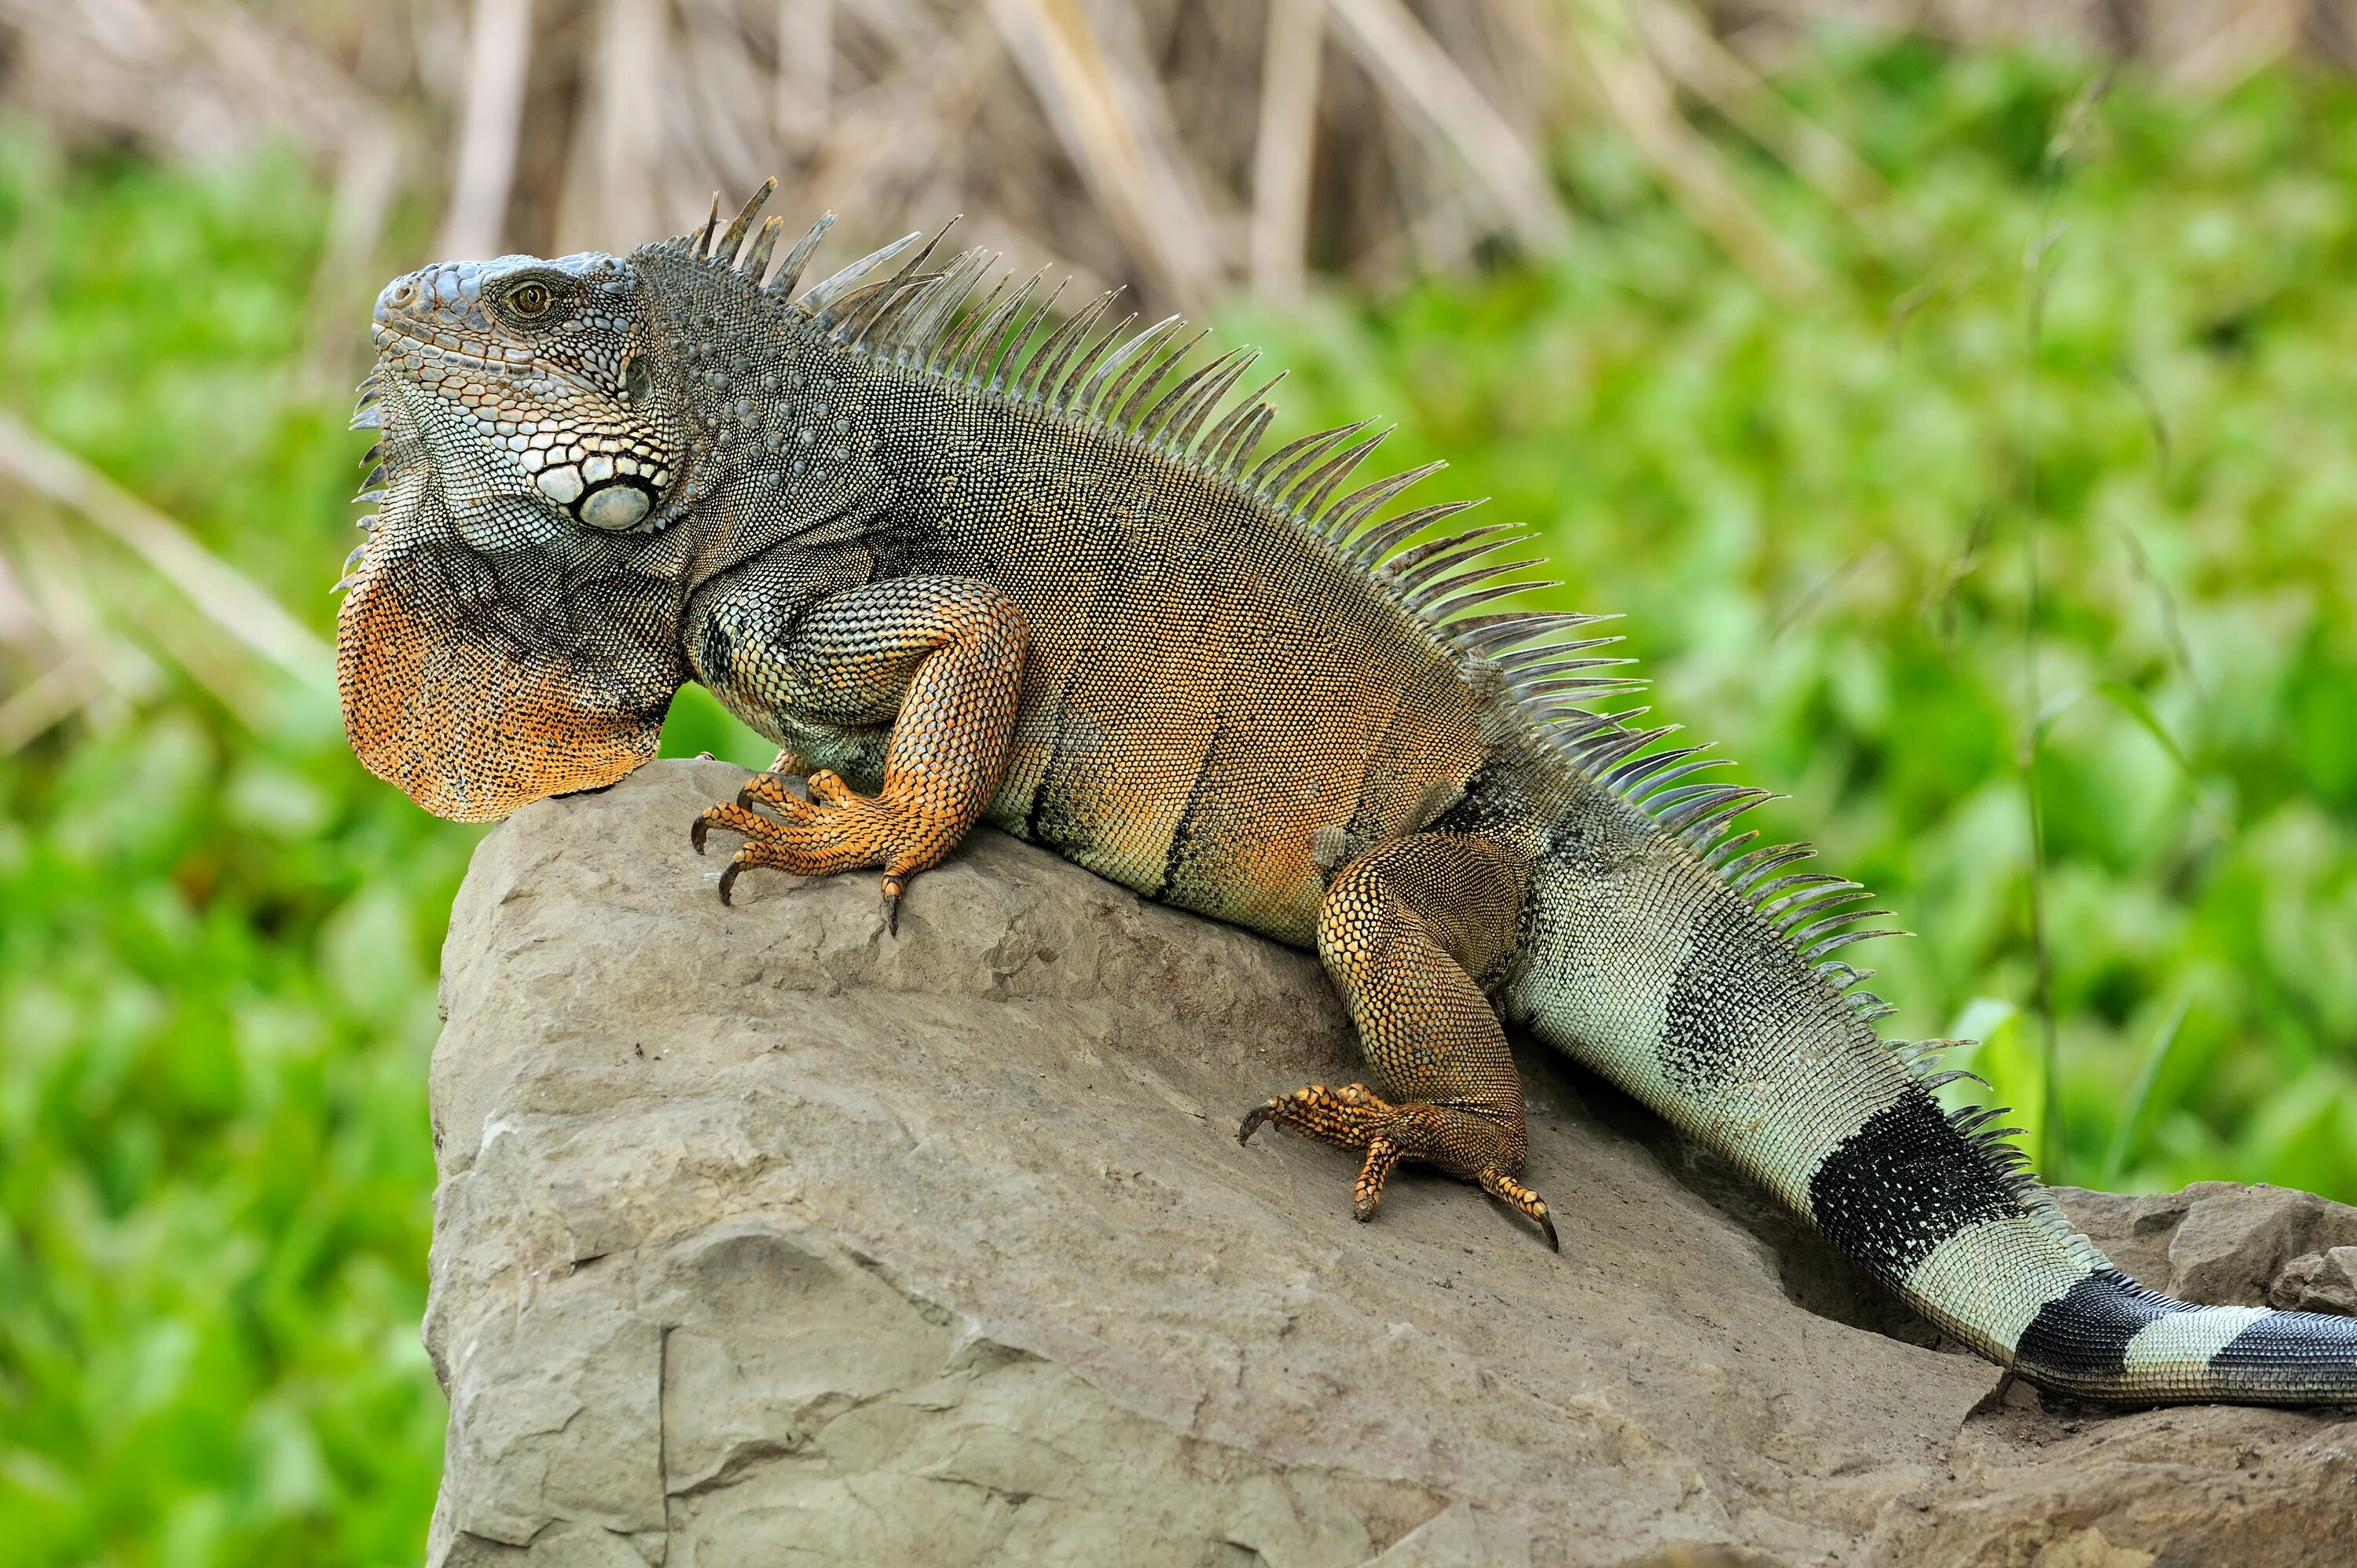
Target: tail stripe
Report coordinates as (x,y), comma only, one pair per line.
(1988,1282)
(1890,1193)
(2084,1334)
(2288,1343)
(2189,1338)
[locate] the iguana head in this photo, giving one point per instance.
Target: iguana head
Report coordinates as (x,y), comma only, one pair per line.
(569,449)
(510,632)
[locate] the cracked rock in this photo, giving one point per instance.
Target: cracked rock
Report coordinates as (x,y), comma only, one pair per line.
(2316,1281)
(763,1238)
(2216,1241)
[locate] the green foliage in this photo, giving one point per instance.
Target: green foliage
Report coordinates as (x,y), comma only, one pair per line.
(217,935)
(217,950)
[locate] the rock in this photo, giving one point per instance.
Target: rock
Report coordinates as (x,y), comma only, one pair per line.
(2218,1242)
(2316,1281)
(762,1236)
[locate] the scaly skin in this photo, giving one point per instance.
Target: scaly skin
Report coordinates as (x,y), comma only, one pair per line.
(957,576)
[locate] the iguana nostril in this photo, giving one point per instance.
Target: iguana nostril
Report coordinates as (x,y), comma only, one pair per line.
(400,294)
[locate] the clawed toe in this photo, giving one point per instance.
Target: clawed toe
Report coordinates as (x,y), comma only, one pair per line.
(738,818)
(827,789)
(1522,1200)
(1383,1158)
(1348,1116)
(767,789)
(1356,1117)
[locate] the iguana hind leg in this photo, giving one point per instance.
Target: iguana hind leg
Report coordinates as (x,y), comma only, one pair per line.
(942,660)
(1404,931)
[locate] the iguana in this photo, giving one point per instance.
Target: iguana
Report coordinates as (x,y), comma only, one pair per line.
(966,561)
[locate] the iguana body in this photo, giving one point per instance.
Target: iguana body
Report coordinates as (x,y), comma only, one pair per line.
(960,576)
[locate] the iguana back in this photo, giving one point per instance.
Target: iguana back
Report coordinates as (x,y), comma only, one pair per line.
(1207,685)
(958,570)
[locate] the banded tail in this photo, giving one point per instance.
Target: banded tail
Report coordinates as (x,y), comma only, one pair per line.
(1679,972)
(1972,1244)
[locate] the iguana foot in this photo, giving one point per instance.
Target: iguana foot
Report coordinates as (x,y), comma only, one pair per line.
(1461,1142)
(837,829)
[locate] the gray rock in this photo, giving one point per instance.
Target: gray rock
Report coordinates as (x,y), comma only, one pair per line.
(2316,1281)
(764,1238)
(2216,1241)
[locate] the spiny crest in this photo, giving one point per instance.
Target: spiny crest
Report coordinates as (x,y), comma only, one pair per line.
(1084,366)
(1137,384)
(1092,369)
(367,414)
(726,248)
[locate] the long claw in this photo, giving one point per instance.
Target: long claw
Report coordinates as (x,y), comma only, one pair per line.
(834,832)
(1357,1117)
(1522,1201)
(1259,1116)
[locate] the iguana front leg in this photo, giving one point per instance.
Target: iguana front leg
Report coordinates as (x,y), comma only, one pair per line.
(1404,930)
(940,659)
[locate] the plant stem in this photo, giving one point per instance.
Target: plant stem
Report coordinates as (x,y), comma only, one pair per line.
(2033,735)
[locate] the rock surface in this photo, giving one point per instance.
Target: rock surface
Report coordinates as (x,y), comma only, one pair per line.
(762,1238)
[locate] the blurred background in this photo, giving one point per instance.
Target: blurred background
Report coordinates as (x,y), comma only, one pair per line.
(1956,395)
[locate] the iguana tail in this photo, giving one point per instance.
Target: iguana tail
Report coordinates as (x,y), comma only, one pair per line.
(1680,971)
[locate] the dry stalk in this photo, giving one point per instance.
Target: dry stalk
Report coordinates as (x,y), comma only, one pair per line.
(1632,88)
(498,57)
(1132,171)
(1706,67)
(217,590)
(1423,80)
(1281,152)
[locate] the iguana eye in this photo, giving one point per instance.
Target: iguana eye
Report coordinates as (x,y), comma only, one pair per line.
(528,302)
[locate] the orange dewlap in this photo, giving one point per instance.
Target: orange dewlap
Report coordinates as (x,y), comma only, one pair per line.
(466,723)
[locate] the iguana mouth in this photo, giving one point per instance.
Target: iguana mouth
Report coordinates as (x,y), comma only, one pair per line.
(473,353)
(595,473)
